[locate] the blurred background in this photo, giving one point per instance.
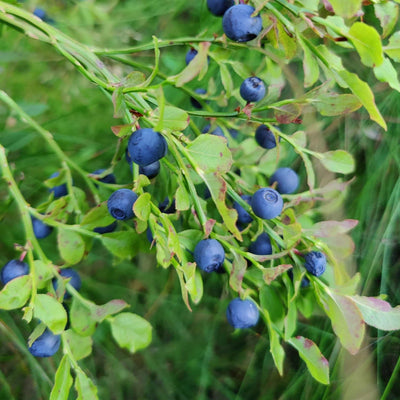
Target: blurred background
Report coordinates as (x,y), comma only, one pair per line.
(193,355)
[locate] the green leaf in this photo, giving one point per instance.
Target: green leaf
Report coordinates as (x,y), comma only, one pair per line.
(142,206)
(331,104)
(99,313)
(182,198)
(271,301)
(81,346)
(43,273)
(387,73)
(364,94)
(345,316)
(211,153)
(97,216)
(346,8)
(388,14)
(63,381)
(226,79)
(50,312)
(338,161)
(239,266)
(16,293)
(131,331)
(194,67)
(270,274)
(118,101)
(378,313)
(70,245)
(134,78)
(189,238)
(122,131)
(291,234)
(367,42)
(393,47)
(121,244)
(288,113)
(193,282)
(310,66)
(316,363)
(84,386)
(81,318)
(290,320)
(174,118)
(288,42)
(332,228)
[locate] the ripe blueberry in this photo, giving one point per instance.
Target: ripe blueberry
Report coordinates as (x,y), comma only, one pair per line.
(217,131)
(110,178)
(218,7)
(40,13)
(209,255)
(106,229)
(239,25)
(315,263)
(46,344)
(242,314)
(265,138)
(167,208)
(151,170)
(40,229)
(120,204)
(60,190)
(267,203)
(192,53)
(287,180)
(261,246)
(13,269)
(196,103)
(243,216)
(146,146)
(252,89)
(75,280)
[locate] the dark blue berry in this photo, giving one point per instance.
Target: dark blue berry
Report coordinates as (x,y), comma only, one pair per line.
(243,216)
(151,170)
(46,345)
(267,203)
(196,103)
(315,263)
(209,255)
(146,146)
(192,53)
(265,138)
(166,207)
(60,190)
(242,314)
(13,269)
(218,7)
(217,131)
(40,229)
(252,89)
(110,178)
(120,204)
(106,229)
(262,245)
(239,25)
(75,280)
(287,180)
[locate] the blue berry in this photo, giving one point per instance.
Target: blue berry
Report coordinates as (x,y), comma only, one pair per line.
(287,180)
(75,280)
(267,203)
(40,13)
(120,204)
(60,190)
(265,138)
(261,246)
(110,178)
(167,208)
(46,345)
(218,7)
(239,25)
(40,229)
(242,314)
(217,131)
(196,103)
(13,269)
(233,132)
(315,263)
(146,146)
(151,170)
(149,235)
(243,216)
(209,255)
(252,89)
(192,53)
(106,229)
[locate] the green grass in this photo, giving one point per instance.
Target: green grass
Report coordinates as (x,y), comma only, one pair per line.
(194,355)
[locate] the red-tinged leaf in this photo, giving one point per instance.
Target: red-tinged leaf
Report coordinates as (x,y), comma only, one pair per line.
(239,266)
(209,226)
(316,363)
(332,228)
(270,274)
(346,318)
(341,245)
(247,109)
(378,313)
(288,114)
(122,130)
